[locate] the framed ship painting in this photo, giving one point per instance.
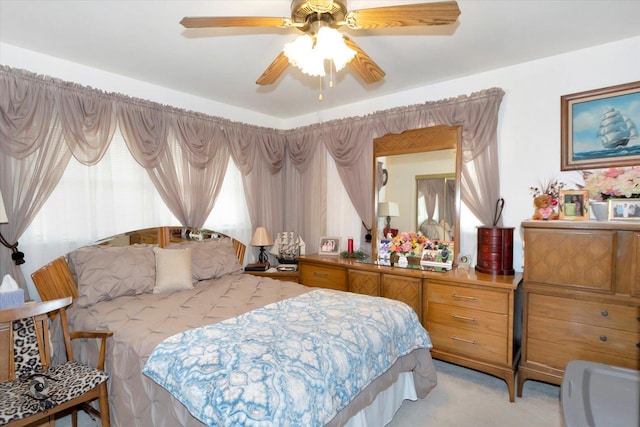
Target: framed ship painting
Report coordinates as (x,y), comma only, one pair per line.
(599,128)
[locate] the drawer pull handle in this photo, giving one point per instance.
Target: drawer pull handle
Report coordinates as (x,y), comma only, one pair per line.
(638,344)
(325,275)
(605,313)
(603,338)
(455,338)
(464,297)
(471,319)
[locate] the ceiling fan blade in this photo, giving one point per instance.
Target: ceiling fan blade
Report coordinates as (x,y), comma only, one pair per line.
(363,65)
(273,72)
(440,13)
(234,21)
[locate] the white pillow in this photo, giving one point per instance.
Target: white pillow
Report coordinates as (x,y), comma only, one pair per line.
(173,270)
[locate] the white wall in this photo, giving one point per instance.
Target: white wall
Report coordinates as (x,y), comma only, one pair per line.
(528,129)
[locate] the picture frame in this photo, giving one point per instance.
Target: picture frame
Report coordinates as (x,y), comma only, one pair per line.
(384,252)
(624,210)
(573,205)
(585,119)
(329,246)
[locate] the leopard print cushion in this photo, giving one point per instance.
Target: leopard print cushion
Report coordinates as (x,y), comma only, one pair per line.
(38,392)
(26,352)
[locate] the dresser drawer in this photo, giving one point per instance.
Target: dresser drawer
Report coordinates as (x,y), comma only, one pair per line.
(558,355)
(579,259)
(405,289)
(323,277)
(473,345)
(602,314)
(494,301)
(582,336)
(468,319)
(364,282)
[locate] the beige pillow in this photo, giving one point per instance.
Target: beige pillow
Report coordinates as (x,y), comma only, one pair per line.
(211,258)
(107,272)
(173,270)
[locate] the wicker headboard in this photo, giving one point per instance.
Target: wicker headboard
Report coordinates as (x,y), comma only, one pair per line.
(55,279)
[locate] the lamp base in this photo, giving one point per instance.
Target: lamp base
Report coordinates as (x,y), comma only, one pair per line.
(263,257)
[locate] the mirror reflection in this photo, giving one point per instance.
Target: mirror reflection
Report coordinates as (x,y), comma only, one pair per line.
(436,206)
(417,174)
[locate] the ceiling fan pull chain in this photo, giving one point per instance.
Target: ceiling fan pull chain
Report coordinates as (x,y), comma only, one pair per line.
(320,96)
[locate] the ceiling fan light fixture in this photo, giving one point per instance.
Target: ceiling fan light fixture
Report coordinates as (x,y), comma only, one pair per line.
(308,53)
(331,45)
(301,54)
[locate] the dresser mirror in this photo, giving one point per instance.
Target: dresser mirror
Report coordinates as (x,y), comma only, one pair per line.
(428,158)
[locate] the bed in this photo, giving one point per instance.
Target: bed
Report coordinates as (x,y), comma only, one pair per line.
(198,342)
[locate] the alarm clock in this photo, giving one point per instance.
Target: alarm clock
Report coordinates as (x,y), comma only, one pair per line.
(464,261)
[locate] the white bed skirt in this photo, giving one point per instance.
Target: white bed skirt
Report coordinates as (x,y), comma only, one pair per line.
(380,412)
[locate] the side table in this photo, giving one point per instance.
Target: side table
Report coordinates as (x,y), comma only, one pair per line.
(287,276)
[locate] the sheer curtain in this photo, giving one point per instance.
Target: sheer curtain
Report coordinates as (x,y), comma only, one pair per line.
(114,196)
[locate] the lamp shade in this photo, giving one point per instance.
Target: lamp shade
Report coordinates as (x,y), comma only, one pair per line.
(261,237)
(3,213)
(388,209)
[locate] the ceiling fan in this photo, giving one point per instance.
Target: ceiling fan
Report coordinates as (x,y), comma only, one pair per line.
(312,17)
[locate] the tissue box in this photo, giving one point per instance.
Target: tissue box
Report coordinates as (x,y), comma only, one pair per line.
(11,299)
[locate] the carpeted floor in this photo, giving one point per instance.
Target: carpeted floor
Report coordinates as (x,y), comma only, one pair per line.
(468,398)
(463,398)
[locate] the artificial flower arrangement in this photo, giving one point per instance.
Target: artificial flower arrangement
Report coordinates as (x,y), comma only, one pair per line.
(408,244)
(551,188)
(612,183)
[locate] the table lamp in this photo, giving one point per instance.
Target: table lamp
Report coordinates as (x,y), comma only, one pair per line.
(388,209)
(262,238)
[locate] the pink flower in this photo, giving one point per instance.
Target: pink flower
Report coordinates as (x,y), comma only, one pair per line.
(612,182)
(408,243)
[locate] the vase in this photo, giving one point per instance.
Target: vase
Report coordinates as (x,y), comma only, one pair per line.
(403,261)
(599,210)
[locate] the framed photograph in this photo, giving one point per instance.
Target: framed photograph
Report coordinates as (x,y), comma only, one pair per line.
(329,246)
(599,128)
(624,210)
(385,249)
(573,205)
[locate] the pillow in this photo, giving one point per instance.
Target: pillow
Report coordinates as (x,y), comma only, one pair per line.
(211,258)
(107,272)
(173,270)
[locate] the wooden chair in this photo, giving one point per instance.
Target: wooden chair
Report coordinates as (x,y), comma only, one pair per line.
(31,388)
(55,280)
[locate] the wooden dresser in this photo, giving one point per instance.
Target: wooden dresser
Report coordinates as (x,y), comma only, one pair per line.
(473,318)
(581,296)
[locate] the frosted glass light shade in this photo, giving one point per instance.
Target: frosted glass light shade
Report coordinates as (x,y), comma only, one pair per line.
(309,52)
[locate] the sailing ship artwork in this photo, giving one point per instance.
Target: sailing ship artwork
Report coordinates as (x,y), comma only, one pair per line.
(606,129)
(287,247)
(616,129)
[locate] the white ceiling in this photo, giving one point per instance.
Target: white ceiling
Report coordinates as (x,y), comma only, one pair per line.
(143,39)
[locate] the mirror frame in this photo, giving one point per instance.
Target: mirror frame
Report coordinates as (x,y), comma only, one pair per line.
(421,140)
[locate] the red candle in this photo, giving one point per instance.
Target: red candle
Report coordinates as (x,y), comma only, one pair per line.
(350,246)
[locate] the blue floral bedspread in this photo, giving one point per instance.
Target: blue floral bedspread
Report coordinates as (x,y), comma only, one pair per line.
(296,362)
